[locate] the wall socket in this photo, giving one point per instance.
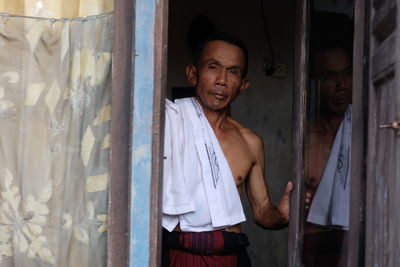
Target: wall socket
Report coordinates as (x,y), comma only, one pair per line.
(278,70)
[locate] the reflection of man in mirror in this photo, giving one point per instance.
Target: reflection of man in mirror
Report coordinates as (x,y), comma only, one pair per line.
(209,159)
(333,70)
(327,172)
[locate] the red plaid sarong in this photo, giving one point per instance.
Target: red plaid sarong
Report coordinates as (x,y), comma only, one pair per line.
(216,249)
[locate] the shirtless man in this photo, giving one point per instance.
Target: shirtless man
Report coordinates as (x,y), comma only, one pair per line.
(219,76)
(333,70)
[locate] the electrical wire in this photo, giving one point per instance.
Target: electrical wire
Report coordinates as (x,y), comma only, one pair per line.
(268,69)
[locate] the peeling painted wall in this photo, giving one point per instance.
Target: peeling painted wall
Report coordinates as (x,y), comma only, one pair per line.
(266,106)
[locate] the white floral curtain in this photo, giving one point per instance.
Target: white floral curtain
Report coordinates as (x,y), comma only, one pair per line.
(56,8)
(55,116)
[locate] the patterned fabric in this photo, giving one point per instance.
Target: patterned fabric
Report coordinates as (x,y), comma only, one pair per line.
(178,258)
(56,8)
(331,203)
(215,248)
(55,111)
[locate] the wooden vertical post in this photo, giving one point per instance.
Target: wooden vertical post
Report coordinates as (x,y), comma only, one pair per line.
(147,131)
(356,240)
(301,81)
(117,247)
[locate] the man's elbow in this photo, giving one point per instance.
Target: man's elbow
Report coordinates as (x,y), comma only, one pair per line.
(262,222)
(270,221)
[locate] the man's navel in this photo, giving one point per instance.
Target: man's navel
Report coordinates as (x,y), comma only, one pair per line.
(239,179)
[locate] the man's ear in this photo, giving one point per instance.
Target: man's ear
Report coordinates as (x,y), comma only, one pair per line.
(191,73)
(245,84)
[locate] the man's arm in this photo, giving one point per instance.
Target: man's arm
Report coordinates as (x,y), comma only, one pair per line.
(265,213)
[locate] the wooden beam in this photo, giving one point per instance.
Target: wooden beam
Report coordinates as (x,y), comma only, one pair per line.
(117,248)
(301,82)
(356,240)
(147,131)
(160,82)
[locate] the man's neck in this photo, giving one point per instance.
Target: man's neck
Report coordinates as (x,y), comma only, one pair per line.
(330,122)
(216,118)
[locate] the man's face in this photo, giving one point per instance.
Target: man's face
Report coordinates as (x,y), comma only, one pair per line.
(335,80)
(218,76)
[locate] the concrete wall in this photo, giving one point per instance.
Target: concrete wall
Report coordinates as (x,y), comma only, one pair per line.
(266,107)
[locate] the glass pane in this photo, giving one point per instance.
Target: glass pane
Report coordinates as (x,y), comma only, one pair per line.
(328,134)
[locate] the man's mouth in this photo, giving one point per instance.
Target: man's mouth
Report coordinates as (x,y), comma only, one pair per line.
(218,96)
(342,100)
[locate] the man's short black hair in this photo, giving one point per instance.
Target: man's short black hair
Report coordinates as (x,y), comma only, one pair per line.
(226,37)
(328,47)
(330,31)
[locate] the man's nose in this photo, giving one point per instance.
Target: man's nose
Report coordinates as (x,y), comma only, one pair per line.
(221,78)
(341,81)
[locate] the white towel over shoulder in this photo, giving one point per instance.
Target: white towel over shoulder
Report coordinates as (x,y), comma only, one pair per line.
(331,202)
(199,191)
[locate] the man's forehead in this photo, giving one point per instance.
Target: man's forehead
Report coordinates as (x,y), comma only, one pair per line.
(221,50)
(333,59)
(219,43)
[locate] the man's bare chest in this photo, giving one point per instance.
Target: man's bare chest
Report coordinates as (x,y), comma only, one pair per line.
(239,157)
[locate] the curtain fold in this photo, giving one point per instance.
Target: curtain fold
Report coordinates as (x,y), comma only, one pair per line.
(56,8)
(55,113)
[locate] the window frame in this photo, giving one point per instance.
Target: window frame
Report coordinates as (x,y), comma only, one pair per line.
(127,14)
(356,240)
(128,207)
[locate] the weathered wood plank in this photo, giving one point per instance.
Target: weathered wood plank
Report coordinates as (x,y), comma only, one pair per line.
(383,185)
(147,132)
(383,60)
(160,81)
(384,21)
(378,3)
(301,78)
(142,134)
(117,252)
(359,129)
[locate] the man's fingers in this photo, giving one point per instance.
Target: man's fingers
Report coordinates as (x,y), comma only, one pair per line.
(308,200)
(289,187)
(286,195)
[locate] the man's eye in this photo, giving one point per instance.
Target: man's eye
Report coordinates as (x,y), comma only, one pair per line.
(212,66)
(348,72)
(328,75)
(234,71)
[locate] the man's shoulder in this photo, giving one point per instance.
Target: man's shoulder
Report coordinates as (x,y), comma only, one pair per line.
(253,140)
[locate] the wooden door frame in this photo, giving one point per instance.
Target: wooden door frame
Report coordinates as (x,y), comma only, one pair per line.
(300,82)
(121,84)
(138,92)
(123,146)
(356,243)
